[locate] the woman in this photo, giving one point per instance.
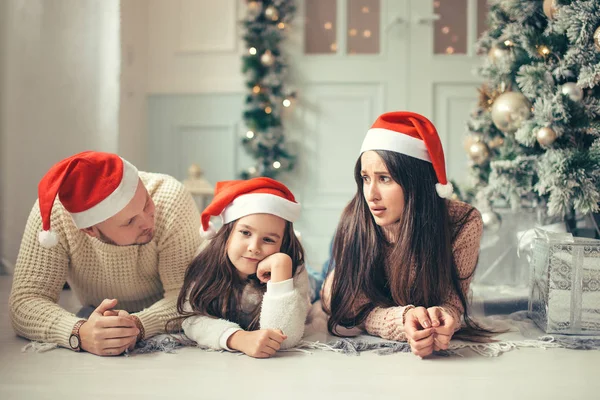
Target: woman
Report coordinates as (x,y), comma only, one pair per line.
(404,254)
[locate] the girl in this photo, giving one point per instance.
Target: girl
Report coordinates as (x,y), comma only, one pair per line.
(403,253)
(247,290)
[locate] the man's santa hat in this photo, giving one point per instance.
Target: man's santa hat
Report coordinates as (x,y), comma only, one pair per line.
(414,135)
(91,186)
(236,199)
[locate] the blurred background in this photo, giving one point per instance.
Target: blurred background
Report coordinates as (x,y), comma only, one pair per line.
(161,83)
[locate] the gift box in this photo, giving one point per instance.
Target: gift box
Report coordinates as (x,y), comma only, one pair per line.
(564,295)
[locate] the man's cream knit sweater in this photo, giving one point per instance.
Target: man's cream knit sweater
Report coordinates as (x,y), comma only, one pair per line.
(144,279)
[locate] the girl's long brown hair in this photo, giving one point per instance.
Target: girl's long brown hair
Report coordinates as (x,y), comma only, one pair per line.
(214,288)
(371,272)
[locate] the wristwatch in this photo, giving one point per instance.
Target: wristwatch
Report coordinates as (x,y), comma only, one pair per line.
(74,339)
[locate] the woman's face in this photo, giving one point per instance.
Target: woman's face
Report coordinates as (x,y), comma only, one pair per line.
(384,196)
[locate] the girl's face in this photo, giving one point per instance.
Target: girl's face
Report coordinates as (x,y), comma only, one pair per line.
(253,238)
(384,196)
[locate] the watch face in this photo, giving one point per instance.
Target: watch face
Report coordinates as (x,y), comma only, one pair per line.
(74,341)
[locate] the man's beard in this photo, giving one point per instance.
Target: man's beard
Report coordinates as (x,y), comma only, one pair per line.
(105,239)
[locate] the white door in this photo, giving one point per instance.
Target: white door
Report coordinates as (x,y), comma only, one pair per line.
(354,59)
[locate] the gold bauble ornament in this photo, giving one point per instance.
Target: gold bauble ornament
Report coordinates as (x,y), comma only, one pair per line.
(550,8)
(479,153)
(254,8)
(267,58)
(597,38)
(499,53)
(546,136)
(510,110)
(571,89)
(471,140)
(491,220)
(271,13)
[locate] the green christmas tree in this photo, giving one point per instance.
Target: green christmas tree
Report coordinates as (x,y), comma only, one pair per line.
(264,66)
(534,138)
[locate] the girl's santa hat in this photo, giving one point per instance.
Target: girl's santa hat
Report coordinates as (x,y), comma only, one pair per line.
(236,199)
(92,187)
(414,135)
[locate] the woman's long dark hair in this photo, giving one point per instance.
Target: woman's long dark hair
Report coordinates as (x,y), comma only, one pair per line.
(214,288)
(371,272)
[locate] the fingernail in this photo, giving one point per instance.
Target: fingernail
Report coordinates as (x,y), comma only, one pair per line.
(426,324)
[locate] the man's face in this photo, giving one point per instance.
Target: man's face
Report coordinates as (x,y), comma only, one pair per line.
(133,225)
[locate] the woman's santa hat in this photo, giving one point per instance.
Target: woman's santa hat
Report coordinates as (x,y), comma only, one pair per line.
(414,135)
(92,187)
(236,199)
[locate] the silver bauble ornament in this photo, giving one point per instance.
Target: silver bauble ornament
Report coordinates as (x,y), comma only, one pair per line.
(267,59)
(271,13)
(479,153)
(491,220)
(499,53)
(571,89)
(510,110)
(550,8)
(597,38)
(546,136)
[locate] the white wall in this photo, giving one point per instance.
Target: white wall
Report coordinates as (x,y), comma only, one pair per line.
(60,95)
(134,76)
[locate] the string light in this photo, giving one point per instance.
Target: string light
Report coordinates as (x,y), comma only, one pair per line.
(256,89)
(543,50)
(333,46)
(287,103)
(328,25)
(449,50)
(446,30)
(367,33)
(249,134)
(268,110)
(281,25)
(352,32)
(252,50)
(508,43)
(365,10)
(276,165)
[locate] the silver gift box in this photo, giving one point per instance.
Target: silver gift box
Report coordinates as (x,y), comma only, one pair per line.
(564,295)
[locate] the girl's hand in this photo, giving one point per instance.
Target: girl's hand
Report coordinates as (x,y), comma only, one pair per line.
(258,344)
(419,331)
(276,268)
(443,325)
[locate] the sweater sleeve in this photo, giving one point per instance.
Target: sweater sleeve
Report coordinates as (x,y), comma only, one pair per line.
(176,249)
(209,332)
(39,276)
(465,250)
(285,306)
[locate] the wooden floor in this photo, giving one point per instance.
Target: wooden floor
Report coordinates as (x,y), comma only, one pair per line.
(192,373)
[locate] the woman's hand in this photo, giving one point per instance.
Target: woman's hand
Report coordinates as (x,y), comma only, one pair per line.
(419,331)
(258,344)
(276,268)
(443,325)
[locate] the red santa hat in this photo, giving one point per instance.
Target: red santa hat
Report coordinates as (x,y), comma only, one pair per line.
(414,135)
(91,186)
(236,199)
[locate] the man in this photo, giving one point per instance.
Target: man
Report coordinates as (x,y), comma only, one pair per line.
(117,236)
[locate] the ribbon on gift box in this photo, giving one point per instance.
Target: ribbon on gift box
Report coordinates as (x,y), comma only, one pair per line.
(568,251)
